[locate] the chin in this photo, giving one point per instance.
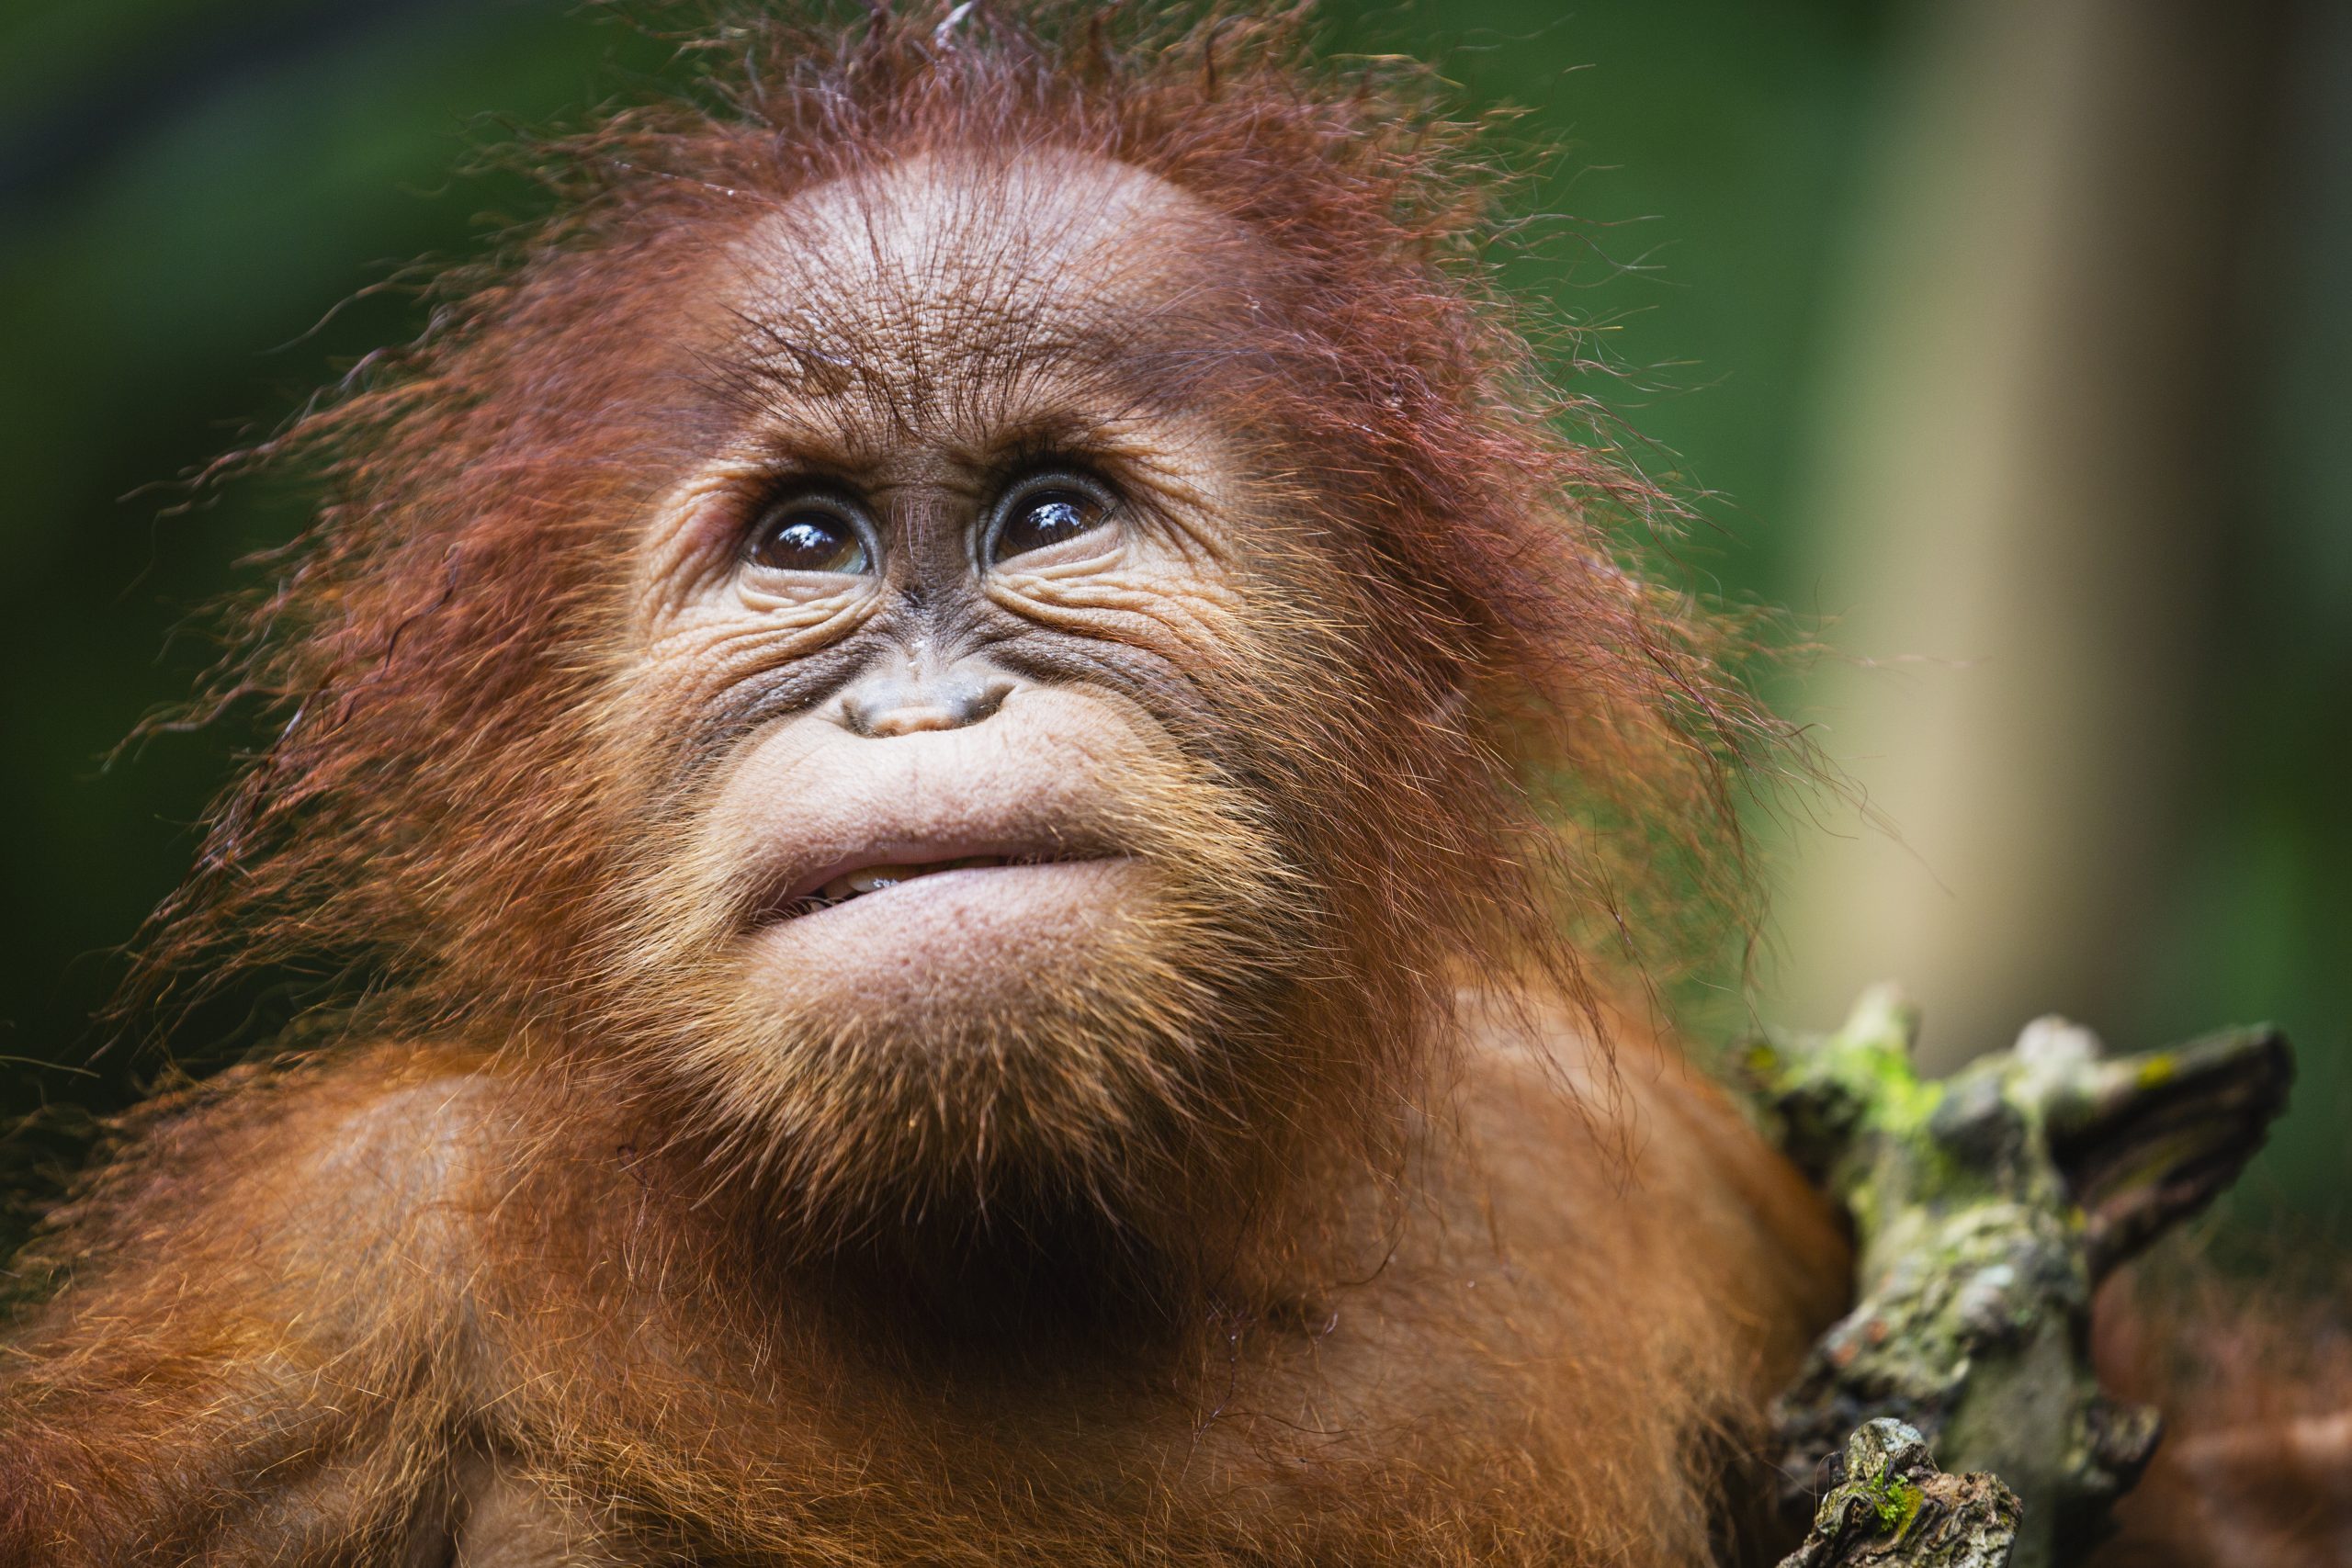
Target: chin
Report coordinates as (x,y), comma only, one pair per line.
(974,1046)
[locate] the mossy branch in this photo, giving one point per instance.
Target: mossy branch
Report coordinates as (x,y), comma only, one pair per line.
(1986,1206)
(1889,1506)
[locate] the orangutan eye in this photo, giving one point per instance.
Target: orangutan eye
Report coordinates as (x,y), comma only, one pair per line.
(1045,510)
(802,535)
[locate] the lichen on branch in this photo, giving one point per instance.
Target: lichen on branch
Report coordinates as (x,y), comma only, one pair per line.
(1986,1207)
(1891,1507)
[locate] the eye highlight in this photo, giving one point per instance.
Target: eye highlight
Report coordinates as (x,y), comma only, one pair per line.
(808,534)
(1046,510)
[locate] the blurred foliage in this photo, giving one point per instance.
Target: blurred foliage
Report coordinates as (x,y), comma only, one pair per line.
(190,188)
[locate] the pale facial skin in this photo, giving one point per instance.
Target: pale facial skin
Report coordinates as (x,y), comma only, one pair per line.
(950,574)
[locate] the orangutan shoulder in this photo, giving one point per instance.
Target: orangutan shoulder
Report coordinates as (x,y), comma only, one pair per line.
(304,1164)
(1643,1136)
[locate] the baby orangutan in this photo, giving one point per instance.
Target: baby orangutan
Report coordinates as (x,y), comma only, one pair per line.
(962,726)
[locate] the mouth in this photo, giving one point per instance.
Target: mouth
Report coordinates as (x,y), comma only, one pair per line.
(841,886)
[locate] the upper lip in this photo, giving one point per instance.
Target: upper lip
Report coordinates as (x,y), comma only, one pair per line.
(1036,783)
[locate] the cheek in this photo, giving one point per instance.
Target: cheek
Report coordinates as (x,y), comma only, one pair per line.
(703,661)
(1188,623)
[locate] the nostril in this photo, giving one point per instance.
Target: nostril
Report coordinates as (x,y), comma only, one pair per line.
(900,707)
(988,698)
(907,720)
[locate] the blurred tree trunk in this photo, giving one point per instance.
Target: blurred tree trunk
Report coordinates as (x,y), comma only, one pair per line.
(2023,475)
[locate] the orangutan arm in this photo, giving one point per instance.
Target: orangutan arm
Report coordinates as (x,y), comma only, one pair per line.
(261,1340)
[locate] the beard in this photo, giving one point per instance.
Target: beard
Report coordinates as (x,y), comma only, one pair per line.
(1114,1071)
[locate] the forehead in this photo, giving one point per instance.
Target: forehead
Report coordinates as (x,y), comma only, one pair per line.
(954,287)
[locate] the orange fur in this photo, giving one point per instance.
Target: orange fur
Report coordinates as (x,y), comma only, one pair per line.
(2256,1385)
(1415,1271)
(310,1306)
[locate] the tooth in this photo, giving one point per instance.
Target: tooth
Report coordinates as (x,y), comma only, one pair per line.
(874,879)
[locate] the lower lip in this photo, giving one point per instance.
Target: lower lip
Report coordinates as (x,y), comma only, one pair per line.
(950,916)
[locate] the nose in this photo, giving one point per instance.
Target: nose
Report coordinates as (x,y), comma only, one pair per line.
(902,702)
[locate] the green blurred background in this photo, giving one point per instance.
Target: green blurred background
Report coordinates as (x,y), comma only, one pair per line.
(2003,341)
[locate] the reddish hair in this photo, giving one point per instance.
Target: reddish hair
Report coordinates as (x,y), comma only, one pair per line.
(426,645)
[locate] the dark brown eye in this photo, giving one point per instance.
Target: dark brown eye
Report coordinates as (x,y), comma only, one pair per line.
(1040,515)
(800,537)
